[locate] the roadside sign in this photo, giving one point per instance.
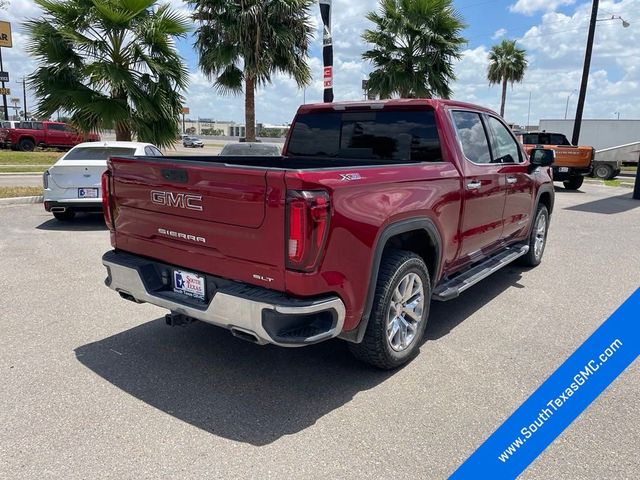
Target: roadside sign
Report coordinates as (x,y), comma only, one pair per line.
(185,110)
(5,35)
(4,76)
(5,91)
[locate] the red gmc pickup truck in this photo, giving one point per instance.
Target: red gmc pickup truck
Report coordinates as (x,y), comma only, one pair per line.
(29,135)
(373,209)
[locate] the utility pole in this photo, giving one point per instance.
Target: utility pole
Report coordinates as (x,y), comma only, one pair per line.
(24,97)
(4,97)
(529,113)
(636,188)
(585,73)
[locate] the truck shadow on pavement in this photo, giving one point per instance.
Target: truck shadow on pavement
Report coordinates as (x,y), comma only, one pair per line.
(204,376)
(83,222)
(608,205)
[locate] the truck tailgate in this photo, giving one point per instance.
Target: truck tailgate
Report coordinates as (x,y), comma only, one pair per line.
(210,217)
(576,157)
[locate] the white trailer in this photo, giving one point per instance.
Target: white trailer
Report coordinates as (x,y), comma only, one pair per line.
(608,161)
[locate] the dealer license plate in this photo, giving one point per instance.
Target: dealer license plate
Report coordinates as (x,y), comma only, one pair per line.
(87,193)
(189,284)
(563,169)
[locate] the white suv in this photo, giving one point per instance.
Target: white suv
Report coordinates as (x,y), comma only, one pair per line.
(72,184)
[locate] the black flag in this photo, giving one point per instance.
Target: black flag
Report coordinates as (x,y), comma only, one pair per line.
(327,50)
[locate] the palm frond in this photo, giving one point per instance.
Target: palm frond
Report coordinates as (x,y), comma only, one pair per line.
(414,44)
(110,63)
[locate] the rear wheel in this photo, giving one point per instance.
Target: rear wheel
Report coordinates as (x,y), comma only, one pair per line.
(537,238)
(605,172)
(64,216)
(399,314)
(26,145)
(574,183)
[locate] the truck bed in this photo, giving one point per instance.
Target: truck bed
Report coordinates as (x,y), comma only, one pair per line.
(275,162)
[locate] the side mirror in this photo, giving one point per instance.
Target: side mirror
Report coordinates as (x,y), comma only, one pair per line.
(542,157)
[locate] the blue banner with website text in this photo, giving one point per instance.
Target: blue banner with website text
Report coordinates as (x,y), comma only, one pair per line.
(560,399)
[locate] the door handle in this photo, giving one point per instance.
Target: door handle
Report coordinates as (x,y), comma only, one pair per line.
(475,185)
(512,180)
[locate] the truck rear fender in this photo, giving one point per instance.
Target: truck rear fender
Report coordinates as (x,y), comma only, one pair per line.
(418,235)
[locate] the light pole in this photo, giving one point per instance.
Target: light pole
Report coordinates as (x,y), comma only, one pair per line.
(566,110)
(617,114)
(24,96)
(587,65)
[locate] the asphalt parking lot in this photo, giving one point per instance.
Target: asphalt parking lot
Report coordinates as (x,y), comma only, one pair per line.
(92,386)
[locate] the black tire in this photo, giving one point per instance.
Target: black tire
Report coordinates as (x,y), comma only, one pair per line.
(534,257)
(376,348)
(574,183)
(26,145)
(64,216)
(604,172)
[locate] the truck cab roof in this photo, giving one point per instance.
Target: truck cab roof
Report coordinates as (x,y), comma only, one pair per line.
(399,103)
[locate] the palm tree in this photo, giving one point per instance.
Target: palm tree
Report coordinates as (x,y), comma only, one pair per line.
(415,45)
(246,42)
(110,64)
(507,64)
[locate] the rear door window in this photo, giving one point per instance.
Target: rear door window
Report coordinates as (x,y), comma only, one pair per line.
(397,136)
(472,136)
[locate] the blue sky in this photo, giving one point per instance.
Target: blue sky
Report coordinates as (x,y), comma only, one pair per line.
(552,31)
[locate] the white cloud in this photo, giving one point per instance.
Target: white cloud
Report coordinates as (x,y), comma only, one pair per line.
(529,7)
(501,32)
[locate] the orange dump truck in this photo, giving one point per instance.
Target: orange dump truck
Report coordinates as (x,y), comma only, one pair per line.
(572,163)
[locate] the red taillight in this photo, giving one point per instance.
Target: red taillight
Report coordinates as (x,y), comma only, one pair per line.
(308,224)
(106,201)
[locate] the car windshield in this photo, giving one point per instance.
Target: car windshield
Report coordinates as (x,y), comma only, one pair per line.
(250,149)
(98,153)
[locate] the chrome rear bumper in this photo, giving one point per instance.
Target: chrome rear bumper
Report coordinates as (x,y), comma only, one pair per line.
(266,316)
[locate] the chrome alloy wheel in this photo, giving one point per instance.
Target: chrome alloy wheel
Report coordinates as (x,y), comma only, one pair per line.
(541,236)
(405,312)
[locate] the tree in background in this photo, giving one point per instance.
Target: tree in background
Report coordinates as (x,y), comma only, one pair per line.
(245,43)
(507,64)
(111,64)
(415,43)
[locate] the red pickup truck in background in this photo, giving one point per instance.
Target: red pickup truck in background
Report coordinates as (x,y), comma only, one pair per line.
(373,209)
(29,135)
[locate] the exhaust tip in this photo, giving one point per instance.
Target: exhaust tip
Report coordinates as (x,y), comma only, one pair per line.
(58,209)
(248,336)
(126,295)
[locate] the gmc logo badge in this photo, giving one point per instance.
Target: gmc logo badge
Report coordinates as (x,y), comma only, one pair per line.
(178,200)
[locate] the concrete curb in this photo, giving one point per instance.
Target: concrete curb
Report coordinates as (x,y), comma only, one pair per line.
(22,174)
(21,200)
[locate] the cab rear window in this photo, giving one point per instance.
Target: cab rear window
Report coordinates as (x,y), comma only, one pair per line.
(545,139)
(399,136)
